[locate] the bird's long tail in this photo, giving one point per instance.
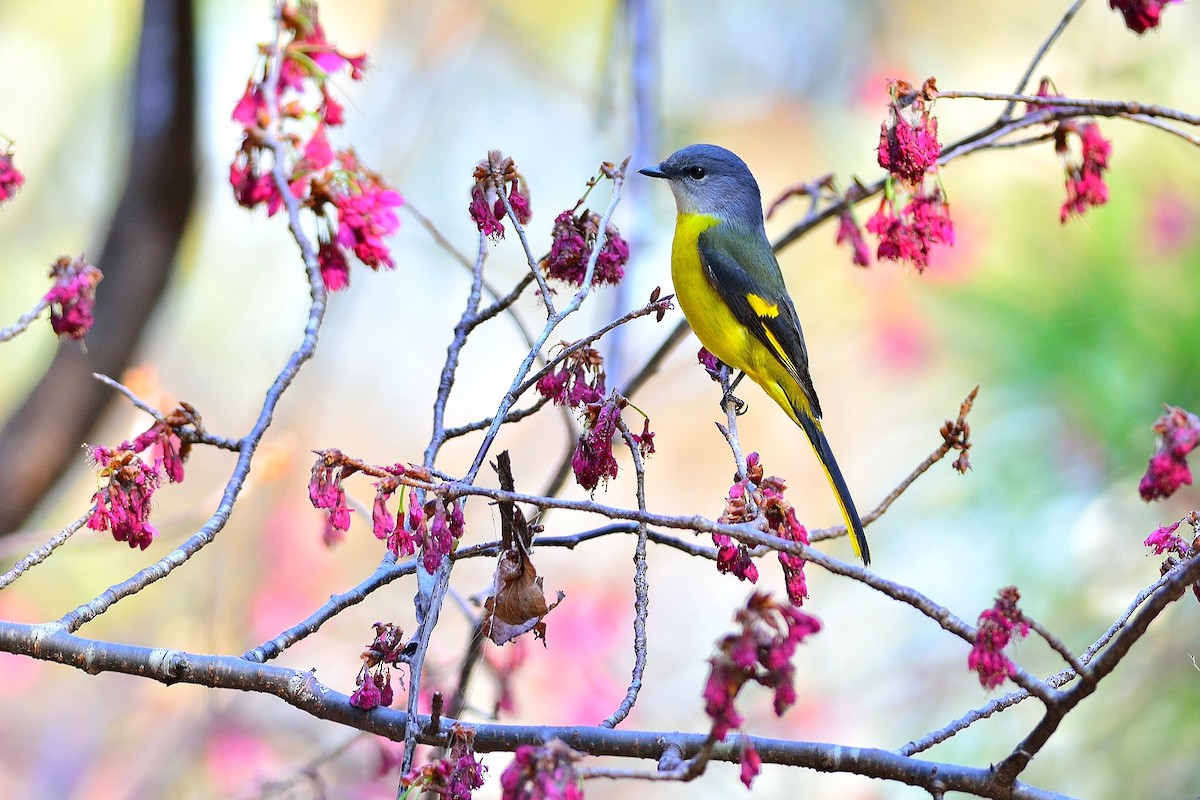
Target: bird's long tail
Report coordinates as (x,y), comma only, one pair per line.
(858,538)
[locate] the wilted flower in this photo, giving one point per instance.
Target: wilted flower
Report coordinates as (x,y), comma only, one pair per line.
(908,143)
(997,625)
(1178,434)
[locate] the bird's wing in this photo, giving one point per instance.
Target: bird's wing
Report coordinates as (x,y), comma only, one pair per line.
(759,300)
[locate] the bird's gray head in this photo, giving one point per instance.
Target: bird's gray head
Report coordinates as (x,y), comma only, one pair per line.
(707,179)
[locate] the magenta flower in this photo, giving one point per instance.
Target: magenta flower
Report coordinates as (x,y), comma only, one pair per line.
(364,218)
(848,231)
(711,364)
(997,625)
(1165,540)
(578,381)
(908,143)
(335,270)
(11,179)
(760,651)
(318,154)
(1140,15)
(593,459)
(72,298)
(542,773)
(909,234)
(782,522)
(455,776)
(325,491)
(375,678)
(1178,434)
(570,250)
(751,763)
(122,504)
(1085,180)
(486,208)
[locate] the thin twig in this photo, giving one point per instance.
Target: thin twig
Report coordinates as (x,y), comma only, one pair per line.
(24,321)
(42,553)
(1041,53)
(641,589)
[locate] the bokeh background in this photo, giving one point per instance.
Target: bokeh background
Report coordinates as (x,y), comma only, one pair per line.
(1077,334)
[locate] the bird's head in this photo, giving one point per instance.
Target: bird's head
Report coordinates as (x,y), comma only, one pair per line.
(707,179)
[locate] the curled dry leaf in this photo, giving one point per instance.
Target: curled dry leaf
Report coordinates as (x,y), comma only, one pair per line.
(516,602)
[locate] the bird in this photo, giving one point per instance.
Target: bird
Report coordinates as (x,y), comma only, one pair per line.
(729,286)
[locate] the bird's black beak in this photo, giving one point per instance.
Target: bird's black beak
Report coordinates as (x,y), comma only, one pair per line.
(653,172)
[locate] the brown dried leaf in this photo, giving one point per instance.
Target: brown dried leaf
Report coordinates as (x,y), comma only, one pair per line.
(516,602)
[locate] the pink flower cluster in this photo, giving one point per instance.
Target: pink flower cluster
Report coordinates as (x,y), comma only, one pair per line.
(542,773)
(325,492)
(712,365)
(453,777)
(1140,15)
(908,234)
(332,184)
(572,241)
(1085,177)
(374,679)
(431,528)
(486,208)
(997,625)
(593,461)
(913,215)
(72,298)
(1165,540)
(578,381)
(11,179)
(752,497)
(759,652)
(129,480)
(1178,434)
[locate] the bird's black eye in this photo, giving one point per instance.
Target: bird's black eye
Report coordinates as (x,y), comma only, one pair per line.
(697,173)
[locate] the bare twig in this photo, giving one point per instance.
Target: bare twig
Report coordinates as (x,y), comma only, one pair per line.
(24,321)
(42,553)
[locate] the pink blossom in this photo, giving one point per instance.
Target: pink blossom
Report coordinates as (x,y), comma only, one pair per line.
(908,149)
(759,651)
(711,364)
(251,188)
(317,153)
(542,773)
(1165,540)
(751,763)
(848,231)
(909,235)
(996,628)
(1140,15)
(484,214)
(570,250)
(1085,180)
(908,143)
(593,459)
(72,298)
(1178,434)
(251,108)
(578,381)
(122,505)
(364,218)
(335,270)
(11,179)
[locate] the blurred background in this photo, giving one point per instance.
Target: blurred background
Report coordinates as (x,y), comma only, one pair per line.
(1077,334)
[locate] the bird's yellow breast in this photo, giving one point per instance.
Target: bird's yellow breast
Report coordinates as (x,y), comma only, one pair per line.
(709,315)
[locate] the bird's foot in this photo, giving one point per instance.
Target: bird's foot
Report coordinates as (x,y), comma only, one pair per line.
(739,405)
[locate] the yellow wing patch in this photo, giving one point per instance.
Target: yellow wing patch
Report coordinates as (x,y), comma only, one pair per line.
(780,353)
(763,308)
